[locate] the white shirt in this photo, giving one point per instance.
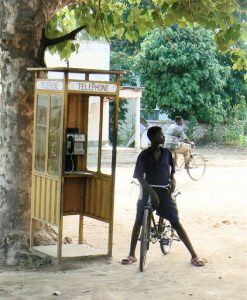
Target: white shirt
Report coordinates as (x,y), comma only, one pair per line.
(174,136)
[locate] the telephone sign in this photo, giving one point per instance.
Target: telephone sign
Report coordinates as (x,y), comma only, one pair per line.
(92,86)
(50,85)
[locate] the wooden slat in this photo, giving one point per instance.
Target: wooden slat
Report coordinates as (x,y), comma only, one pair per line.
(100,199)
(33,197)
(105,202)
(72,197)
(48,201)
(53,202)
(42,198)
(98,195)
(37,197)
(57,203)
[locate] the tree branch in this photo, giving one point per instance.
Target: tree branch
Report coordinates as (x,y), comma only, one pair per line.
(162,25)
(158,13)
(69,36)
(102,23)
(46,42)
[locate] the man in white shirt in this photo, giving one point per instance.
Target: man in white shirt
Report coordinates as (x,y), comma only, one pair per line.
(177,141)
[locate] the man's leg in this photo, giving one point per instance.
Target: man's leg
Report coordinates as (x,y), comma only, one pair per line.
(135,233)
(185,239)
(185,149)
(134,238)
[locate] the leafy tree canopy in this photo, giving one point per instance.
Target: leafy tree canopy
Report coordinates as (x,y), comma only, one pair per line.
(183,75)
(236,87)
(130,19)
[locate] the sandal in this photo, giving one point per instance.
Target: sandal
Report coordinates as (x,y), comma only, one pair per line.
(197,262)
(129,260)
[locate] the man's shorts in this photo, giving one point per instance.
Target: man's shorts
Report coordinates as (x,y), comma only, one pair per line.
(167,208)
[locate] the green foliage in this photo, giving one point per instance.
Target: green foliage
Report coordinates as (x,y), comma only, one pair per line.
(234,130)
(181,74)
(233,133)
(191,131)
(130,19)
(123,110)
(236,86)
(122,61)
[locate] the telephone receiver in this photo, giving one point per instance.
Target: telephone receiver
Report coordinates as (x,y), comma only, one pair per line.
(70,144)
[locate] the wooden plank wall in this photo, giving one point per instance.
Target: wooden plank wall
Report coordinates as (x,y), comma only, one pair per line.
(45,204)
(72,195)
(98,197)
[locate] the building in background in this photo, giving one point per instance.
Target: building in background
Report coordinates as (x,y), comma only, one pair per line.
(96,55)
(90,55)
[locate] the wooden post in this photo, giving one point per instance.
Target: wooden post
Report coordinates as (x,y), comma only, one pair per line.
(64,124)
(81,228)
(114,158)
(32,232)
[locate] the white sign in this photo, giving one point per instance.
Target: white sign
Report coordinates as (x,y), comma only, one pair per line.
(92,86)
(50,85)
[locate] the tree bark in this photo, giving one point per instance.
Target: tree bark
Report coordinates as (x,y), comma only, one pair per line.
(21,24)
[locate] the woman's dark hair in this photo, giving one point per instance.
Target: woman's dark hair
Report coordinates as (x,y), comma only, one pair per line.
(152,131)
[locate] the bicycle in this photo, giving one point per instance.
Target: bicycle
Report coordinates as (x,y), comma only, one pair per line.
(153,231)
(197,165)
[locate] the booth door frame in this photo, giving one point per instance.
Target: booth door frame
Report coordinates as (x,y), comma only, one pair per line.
(99,190)
(46,188)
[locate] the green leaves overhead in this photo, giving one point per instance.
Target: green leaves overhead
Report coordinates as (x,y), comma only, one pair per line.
(239,59)
(129,19)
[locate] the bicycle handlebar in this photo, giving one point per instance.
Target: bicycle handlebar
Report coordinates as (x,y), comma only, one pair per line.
(154,185)
(174,194)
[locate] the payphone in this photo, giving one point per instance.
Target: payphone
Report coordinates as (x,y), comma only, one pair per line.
(75,145)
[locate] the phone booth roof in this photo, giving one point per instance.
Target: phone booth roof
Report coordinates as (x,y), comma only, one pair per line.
(79,70)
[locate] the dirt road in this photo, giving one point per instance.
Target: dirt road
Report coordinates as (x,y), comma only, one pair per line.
(213,211)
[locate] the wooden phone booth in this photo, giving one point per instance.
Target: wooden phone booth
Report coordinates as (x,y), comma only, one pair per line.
(70,172)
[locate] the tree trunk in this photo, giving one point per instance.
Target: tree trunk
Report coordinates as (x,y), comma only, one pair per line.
(21,24)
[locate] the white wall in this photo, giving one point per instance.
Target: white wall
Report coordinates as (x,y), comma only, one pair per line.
(91,55)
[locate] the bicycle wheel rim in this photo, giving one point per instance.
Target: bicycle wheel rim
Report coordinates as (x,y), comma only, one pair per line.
(197,167)
(144,238)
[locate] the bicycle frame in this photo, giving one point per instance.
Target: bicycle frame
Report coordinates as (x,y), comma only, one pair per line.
(153,231)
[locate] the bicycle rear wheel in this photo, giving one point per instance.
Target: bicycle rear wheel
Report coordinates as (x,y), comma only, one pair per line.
(166,237)
(197,166)
(145,233)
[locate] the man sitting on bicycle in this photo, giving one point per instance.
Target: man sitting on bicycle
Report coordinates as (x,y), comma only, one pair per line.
(177,141)
(154,166)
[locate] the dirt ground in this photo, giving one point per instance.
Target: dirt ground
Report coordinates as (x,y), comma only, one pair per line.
(213,211)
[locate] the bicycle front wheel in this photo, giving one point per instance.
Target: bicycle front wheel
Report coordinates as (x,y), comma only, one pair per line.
(197,166)
(145,233)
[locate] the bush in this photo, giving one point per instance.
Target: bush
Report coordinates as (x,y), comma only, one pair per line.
(233,133)
(236,129)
